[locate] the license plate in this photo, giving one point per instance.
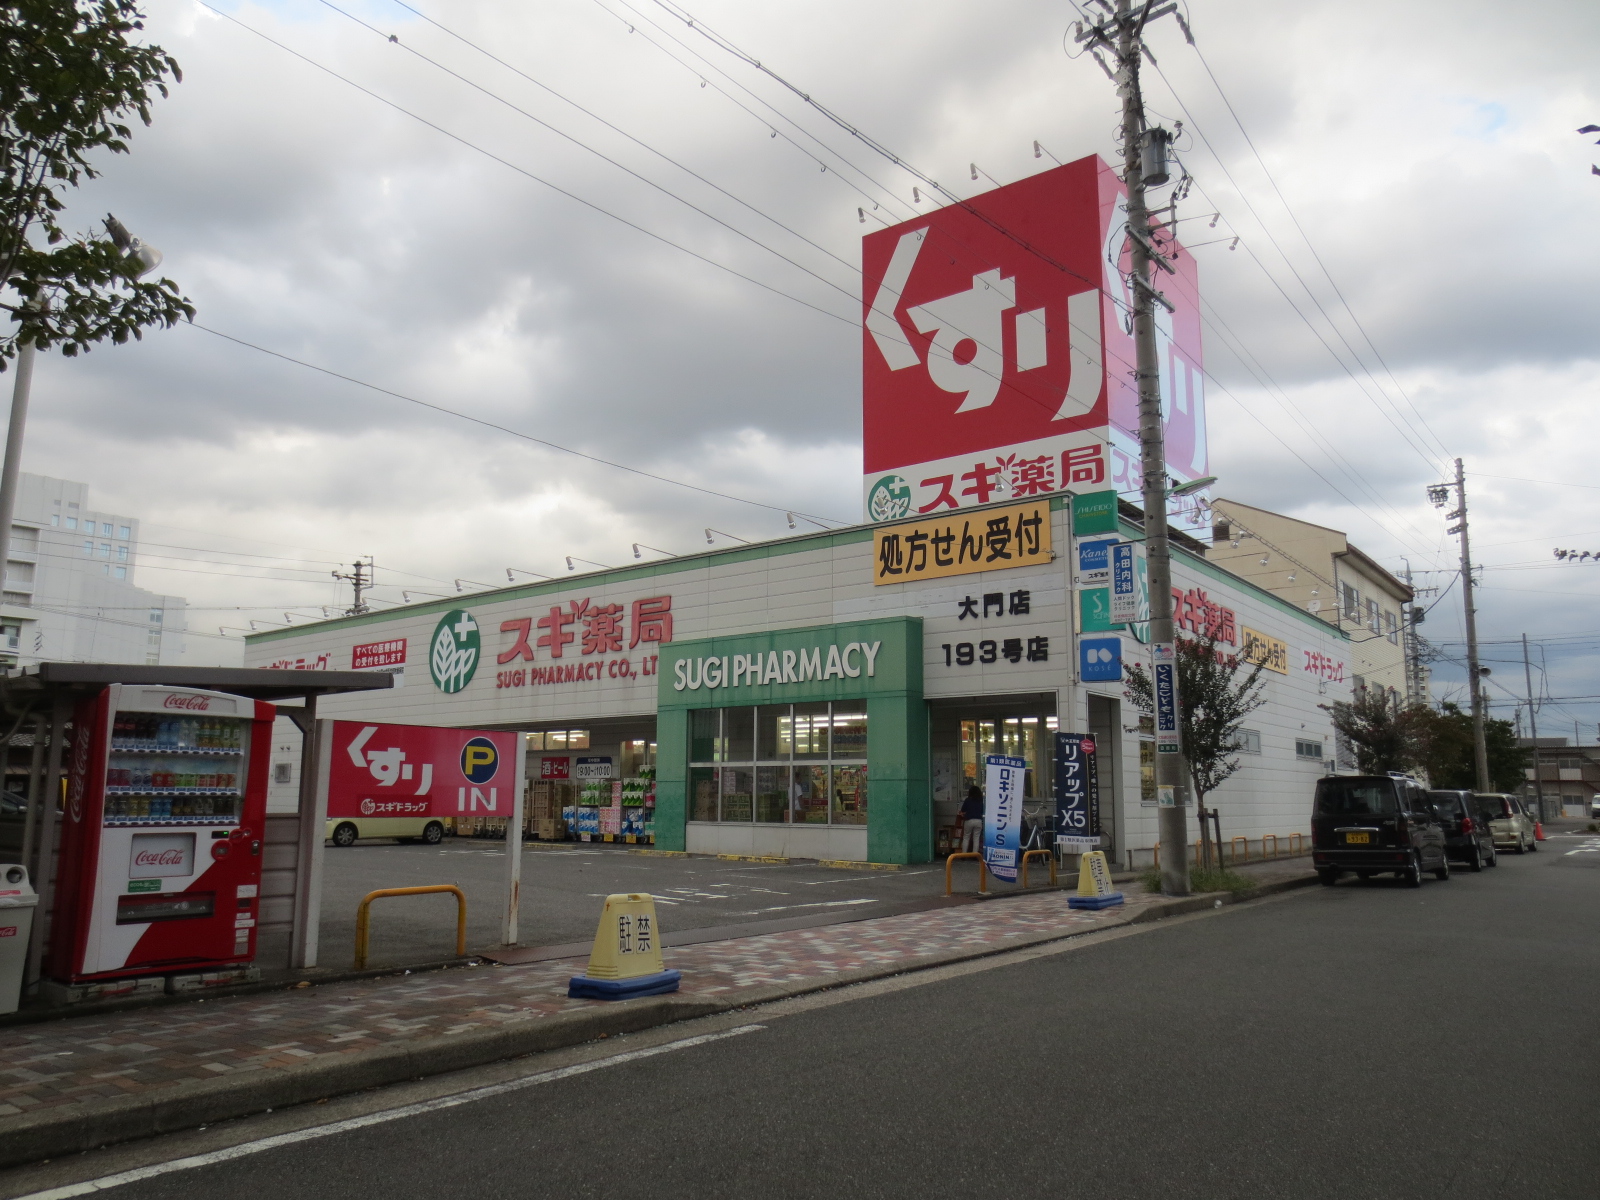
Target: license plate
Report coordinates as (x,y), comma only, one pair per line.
(1357,839)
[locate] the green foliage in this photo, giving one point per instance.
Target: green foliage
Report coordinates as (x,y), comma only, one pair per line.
(1383,736)
(69,80)
(1446,754)
(1214,698)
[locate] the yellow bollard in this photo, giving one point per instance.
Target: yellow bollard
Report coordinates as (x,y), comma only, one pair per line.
(626,958)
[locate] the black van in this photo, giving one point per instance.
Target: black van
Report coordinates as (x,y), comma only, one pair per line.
(1467,837)
(1375,823)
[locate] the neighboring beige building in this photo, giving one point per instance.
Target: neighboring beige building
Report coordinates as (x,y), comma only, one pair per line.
(1317,569)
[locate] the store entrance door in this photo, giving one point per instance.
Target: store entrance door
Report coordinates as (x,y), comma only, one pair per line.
(964,731)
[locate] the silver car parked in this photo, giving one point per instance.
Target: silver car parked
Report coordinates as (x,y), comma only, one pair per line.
(1509,821)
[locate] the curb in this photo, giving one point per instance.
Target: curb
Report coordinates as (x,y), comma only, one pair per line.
(849,864)
(71,1129)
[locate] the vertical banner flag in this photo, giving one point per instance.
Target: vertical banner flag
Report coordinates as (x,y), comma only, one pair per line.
(1166,686)
(1003,779)
(1077,794)
(1124,583)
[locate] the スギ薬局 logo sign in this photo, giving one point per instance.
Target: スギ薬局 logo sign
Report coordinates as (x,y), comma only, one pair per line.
(454,650)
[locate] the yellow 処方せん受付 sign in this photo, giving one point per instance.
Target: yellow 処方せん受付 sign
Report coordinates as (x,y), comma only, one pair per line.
(1257,647)
(962,544)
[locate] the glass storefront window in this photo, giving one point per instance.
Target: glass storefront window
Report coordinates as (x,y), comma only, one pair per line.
(772,794)
(702,794)
(705,727)
(738,734)
(849,795)
(737,792)
(810,791)
(850,729)
(772,733)
(780,763)
(811,723)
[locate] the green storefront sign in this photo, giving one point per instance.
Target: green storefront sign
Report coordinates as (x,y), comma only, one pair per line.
(1094,512)
(878,661)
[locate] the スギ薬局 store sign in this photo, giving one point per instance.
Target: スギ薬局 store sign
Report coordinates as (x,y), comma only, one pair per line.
(996,362)
(582,641)
(962,544)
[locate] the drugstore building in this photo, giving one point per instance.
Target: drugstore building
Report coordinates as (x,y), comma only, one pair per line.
(832,695)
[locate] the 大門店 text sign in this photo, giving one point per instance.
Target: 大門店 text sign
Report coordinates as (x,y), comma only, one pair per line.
(963,544)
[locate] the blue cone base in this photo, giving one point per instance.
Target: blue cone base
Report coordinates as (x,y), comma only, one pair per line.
(1094,901)
(581,987)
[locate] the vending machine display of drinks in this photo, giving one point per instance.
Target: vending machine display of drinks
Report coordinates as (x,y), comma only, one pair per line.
(161,839)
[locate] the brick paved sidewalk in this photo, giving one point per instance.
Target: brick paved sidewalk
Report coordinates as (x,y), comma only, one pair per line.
(118,1054)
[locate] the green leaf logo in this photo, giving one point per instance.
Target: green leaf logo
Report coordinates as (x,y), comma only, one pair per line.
(454,651)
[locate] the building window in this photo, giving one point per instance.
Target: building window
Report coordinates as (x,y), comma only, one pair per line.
(152,660)
(790,764)
(1374,622)
(1569,764)
(122,553)
(155,616)
(1249,741)
(559,739)
(282,773)
(72,522)
(1352,603)
(153,638)
(55,518)
(121,572)
(88,549)
(1391,627)
(105,528)
(1359,683)
(1307,749)
(124,532)
(12,634)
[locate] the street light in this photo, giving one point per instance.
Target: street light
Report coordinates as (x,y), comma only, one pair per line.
(140,258)
(638,546)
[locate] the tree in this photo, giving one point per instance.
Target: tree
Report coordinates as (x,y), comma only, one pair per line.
(1446,754)
(1384,736)
(69,78)
(1213,701)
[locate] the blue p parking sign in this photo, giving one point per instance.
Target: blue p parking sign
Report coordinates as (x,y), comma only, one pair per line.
(479,760)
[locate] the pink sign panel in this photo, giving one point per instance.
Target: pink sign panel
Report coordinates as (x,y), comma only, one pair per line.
(420,771)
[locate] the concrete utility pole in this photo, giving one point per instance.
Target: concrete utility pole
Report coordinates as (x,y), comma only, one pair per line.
(1533,727)
(1439,493)
(1145,158)
(360,580)
(11,471)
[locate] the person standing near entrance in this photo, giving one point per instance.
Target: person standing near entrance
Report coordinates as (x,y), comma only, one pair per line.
(972,821)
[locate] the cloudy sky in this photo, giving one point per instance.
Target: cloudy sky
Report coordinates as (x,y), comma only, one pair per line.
(1412,282)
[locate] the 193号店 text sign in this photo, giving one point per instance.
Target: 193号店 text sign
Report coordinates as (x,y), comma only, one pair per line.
(961,544)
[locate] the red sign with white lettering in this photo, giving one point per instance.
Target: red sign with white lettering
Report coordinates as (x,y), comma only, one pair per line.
(420,771)
(378,654)
(997,362)
(553,768)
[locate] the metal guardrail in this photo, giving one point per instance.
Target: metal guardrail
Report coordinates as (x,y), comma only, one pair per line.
(364,916)
(1233,848)
(983,872)
(1047,855)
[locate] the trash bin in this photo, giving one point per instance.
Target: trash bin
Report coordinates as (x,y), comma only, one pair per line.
(17,901)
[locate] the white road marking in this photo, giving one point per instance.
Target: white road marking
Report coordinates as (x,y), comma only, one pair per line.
(106,1182)
(816,904)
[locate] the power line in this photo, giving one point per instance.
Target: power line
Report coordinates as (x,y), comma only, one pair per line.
(527,437)
(455,137)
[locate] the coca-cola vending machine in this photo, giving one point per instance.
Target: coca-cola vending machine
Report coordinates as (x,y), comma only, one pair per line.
(161,840)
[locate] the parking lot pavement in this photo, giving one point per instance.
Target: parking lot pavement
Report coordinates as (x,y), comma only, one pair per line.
(563,888)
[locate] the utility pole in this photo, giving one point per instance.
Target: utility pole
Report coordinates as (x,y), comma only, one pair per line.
(1145,157)
(1439,493)
(1533,727)
(360,580)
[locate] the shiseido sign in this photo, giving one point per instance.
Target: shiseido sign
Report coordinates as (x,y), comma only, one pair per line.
(159,855)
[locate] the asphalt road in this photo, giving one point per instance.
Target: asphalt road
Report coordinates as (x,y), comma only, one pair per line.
(563,890)
(1363,1041)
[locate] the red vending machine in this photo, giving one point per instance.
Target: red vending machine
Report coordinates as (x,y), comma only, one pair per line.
(161,841)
